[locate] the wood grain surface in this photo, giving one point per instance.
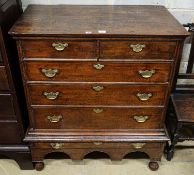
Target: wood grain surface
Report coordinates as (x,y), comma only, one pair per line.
(45,20)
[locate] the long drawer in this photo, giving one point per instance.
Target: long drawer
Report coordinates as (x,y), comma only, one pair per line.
(70,145)
(97,71)
(137,50)
(60,49)
(96,94)
(97,118)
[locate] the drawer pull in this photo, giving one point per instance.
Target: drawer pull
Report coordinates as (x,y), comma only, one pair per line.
(137,47)
(97,143)
(138,145)
(50,73)
(144,96)
(60,46)
(54,118)
(97,88)
(146,73)
(98,66)
(57,145)
(51,95)
(140,118)
(97,110)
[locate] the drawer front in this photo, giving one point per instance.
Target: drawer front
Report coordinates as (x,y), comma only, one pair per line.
(3,79)
(59,49)
(77,145)
(6,106)
(9,133)
(97,71)
(97,94)
(97,118)
(137,50)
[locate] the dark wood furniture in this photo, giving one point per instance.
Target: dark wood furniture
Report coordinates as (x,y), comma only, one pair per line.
(12,101)
(97,78)
(180,117)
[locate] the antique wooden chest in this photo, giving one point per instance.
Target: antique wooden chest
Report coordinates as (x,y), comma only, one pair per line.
(97,78)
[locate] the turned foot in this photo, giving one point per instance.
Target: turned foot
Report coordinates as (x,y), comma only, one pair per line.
(39,166)
(153,166)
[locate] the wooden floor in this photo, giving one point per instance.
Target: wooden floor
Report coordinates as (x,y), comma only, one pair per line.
(181,164)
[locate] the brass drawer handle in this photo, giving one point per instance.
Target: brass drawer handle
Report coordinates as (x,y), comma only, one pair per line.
(97,110)
(57,145)
(97,143)
(144,96)
(146,73)
(141,118)
(54,118)
(137,47)
(60,46)
(138,145)
(98,66)
(97,88)
(50,73)
(51,95)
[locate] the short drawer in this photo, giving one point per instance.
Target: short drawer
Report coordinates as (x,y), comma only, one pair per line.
(59,49)
(6,106)
(97,71)
(96,94)
(137,50)
(3,79)
(97,118)
(10,133)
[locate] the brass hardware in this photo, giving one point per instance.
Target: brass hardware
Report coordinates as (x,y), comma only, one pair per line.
(97,110)
(146,73)
(97,143)
(50,73)
(57,145)
(98,88)
(54,118)
(137,47)
(98,66)
(144,96)
(51,95)
(60,46)
(138,145)
(141,118)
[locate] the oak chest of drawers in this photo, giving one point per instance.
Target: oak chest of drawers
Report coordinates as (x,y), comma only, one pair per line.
(97,78)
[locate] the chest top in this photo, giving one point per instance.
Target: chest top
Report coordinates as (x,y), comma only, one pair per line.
(97,21)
